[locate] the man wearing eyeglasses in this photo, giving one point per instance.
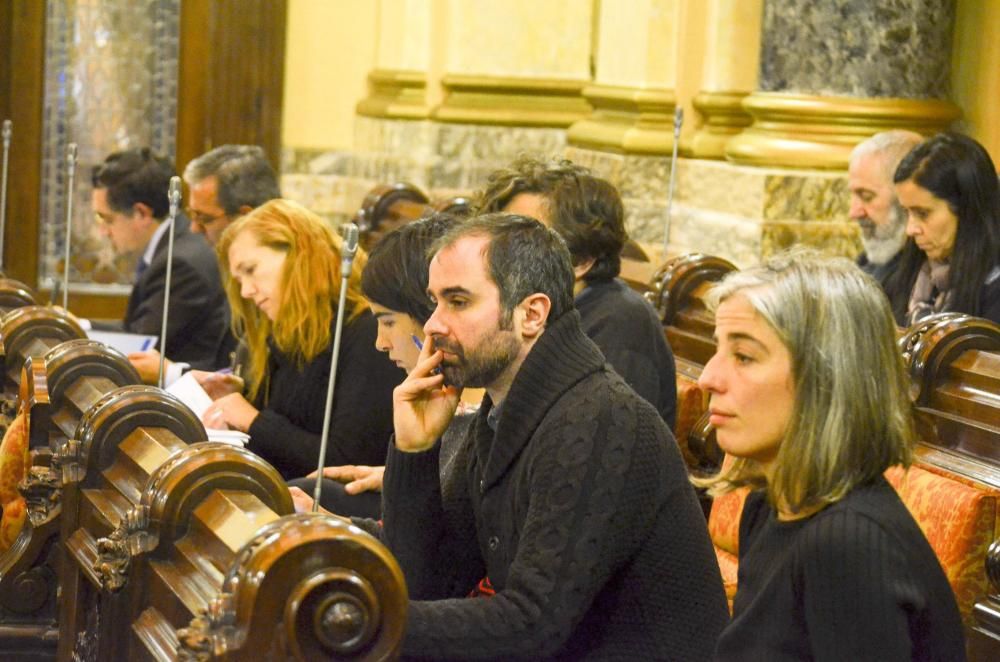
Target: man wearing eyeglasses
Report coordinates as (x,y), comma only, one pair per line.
(130,204)
(226,183)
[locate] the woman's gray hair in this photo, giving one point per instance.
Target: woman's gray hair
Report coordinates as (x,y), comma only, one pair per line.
(852,417)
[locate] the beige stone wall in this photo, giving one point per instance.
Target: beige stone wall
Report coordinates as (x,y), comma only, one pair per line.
(519,38)
(638,44)
(404,34)
(476,82)
(329,52)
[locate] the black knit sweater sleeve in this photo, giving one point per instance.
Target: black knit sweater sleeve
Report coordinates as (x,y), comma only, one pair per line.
(853,570)
(287,432)
(430,526)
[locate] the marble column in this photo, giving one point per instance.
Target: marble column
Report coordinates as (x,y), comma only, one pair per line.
(729,74)
(394,136)
(833,72)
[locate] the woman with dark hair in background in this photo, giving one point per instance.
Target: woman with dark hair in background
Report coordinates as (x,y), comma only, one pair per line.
(394,282)
(948,186)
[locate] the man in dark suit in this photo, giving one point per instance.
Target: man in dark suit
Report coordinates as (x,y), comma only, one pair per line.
(130,203)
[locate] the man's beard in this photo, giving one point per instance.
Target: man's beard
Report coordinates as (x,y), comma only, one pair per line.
(482,365)
(883,242)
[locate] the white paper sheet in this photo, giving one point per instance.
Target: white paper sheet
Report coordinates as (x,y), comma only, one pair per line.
(189,391)
(126,343)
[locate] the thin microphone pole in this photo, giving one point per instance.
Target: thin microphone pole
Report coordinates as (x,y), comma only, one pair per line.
(174,194)
(70,178)
(678,123)
(350,247)
(7,130)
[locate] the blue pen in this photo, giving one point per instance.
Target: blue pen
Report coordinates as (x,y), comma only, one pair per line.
(146,344)
(420,346)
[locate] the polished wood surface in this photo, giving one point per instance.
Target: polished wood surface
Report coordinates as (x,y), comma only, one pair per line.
(167,534)
(31,331)
(53,390)
(231,82)
(22,56)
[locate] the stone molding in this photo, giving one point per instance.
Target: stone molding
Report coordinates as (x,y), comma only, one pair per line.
(627,120)
(509,101)
(808,131)
(723,117)
(395,93)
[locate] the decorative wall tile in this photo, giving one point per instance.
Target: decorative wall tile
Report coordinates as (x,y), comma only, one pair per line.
(110,84)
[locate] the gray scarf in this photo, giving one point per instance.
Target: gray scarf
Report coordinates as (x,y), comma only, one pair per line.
(930,292)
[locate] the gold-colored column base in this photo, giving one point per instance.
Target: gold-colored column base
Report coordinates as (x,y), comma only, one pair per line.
(805,131)
(724,118)
(627,120)
(393,93)
(511,101)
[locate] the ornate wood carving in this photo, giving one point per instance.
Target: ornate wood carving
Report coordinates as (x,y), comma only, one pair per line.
(678,291)
(15,294)
(341,595)
(115,551)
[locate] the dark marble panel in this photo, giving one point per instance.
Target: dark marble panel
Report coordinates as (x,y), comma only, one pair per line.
(857,48)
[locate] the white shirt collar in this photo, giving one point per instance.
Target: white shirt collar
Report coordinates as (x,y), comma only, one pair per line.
(147,255)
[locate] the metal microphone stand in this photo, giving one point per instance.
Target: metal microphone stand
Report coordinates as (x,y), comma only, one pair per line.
(7,130)
(678,123)
(350,247)
(174,195)
(70,178)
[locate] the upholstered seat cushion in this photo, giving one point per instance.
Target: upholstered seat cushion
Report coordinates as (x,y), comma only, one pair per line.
(959,518)
(14,461)
(691,404)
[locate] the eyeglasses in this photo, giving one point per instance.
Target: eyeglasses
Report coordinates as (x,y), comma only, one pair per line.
(202,218)
(106,220)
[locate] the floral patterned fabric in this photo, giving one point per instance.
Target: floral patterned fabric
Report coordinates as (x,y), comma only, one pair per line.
(14,461)
(959,518)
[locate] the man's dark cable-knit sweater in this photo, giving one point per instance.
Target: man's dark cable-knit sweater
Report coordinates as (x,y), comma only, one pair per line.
(287,431)
(626,329)
(579,511)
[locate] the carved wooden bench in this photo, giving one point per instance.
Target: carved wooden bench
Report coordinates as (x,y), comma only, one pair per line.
(169,547)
